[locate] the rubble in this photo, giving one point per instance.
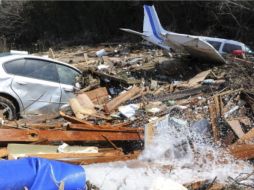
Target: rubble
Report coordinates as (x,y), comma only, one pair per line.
(127,96)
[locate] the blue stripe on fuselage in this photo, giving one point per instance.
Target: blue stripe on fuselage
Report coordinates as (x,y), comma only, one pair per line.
(152,23)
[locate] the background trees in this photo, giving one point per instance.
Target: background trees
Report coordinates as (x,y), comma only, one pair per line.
(28,24)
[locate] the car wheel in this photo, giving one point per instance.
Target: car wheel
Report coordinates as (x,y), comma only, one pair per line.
(7,109)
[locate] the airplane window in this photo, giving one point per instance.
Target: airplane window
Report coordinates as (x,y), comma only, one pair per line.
(228,48)
(215,44)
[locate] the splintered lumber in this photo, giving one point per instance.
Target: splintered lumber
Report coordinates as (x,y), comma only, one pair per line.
(236,127)
(213,117)
(249,136)
(244,151)
(98,96)
(105,128)
(79,110)
(3,152)
(113,104)
(95,160)
(198,78)
(18,135)
(85,101)
(23,150)
(85,125)
(217,104)
(16,151)
(115,78)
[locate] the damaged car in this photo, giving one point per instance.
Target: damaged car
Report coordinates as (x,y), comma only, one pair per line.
(34,85)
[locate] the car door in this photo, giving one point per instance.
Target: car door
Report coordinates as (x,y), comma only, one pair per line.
(37,85)
(67,77)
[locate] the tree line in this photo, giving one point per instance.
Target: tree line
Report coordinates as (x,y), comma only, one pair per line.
(27,24)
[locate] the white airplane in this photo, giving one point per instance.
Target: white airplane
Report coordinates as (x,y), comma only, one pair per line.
(198,46)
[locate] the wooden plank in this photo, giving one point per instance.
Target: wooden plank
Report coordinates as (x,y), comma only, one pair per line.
(85,101)
(212,110)
(17,135)
(217,105)
(98,95)
(236,127)
(249,136)
(3,152)
(198,78)
(79,110)
(113,104)
(105,128)
(74,155)
(244,151)
(85,124)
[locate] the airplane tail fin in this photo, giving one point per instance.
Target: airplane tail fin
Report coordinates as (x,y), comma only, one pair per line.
(152,25)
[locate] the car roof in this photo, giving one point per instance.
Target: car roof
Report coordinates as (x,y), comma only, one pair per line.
(13,57)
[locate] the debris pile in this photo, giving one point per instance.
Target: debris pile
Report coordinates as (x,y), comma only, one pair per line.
(167,113)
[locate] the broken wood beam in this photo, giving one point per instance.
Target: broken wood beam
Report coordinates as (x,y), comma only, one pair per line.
(105,128)
(18,135)
(3,152)
(236,127)
(244,151)
(247,137)
(213,117)
(117,101)
(98,96)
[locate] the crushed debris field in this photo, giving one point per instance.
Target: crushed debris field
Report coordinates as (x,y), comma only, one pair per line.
(143,118)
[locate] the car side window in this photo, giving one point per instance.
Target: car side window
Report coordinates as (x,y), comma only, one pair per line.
(228,48)
(215,44)
(40,69)
(66,74)
(15,67)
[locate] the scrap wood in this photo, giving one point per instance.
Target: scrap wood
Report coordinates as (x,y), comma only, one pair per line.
(117,101)
(112,144)
(80,111)
(56,156)
(87,125)
(98,95)
(229,92)
(18,135)
(198,78)
(12,124)
(213,117)
(182,94)
(85,101)
(249,97)
(217,105)
(74,119)
(105,128)
(247,137)
(3,152)
(42,118)
(243,151)
(236,127)
(131,156)
(115,78)
(244,120)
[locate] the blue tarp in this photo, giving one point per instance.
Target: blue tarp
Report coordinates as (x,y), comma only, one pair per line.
(40,174)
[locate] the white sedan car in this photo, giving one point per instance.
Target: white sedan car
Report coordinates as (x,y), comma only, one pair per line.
(34,85)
